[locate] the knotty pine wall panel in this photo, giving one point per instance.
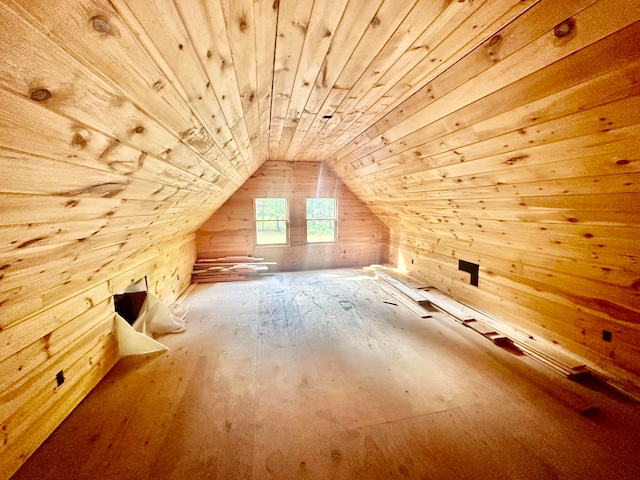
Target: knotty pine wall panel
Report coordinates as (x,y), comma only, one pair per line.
(113,150)
(71,331)
(362,238)
(522,157)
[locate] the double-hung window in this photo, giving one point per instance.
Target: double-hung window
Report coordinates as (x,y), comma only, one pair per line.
(272,221)
(321,220)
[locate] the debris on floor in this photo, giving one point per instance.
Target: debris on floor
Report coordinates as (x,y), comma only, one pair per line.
(229,269)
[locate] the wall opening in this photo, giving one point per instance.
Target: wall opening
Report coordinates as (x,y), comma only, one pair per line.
(128,303)
(472,268)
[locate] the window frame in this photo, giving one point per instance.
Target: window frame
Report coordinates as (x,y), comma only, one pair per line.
(285,220)
(334,220)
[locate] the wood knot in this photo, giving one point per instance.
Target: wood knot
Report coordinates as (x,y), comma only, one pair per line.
(80,139)
(623,162)
(564,28)
(30,242)
(495,40)
(327,33)
(493,47)
(243,25)
(106,190)
(375,21)
(513,160)
(159,85)
(139,129)
(40,94)
(100,24)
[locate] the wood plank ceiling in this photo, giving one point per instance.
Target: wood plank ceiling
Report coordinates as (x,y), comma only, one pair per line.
(126,123)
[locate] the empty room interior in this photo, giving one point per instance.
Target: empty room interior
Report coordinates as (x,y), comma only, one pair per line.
(319,239)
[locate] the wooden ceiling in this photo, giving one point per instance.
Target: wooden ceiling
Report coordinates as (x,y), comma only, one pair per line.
(237,82)
(126,122)
(205,92)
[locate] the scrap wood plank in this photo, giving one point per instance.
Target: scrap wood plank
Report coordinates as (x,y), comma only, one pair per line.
(448,305)
(394,294)
(546,352)
(208,264)
(224,278)
(372,269)
(502,334)
(226,270)
(560,365)
(233,267)
(231,259)
(408,280)
(414,294)
(480,327)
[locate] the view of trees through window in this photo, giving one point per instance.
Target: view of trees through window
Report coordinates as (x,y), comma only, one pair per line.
(321,220)
(271,221)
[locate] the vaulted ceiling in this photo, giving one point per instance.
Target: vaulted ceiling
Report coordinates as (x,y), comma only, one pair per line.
(177,103)
(145,116)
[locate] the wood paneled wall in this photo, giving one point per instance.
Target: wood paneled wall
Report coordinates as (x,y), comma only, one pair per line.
(523,157)
(68,327)
(111,155)
(362,238)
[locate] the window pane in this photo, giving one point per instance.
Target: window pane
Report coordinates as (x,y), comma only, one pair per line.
(271,221)
(271,232)
(321,208)
(321,231)
(270,209)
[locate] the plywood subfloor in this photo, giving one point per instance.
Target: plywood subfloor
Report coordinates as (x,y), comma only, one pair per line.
(312,376)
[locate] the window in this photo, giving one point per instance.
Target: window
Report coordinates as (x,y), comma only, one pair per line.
(321,220)
(271,221)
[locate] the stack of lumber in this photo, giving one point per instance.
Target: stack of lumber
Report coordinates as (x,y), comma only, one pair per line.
(229,269)
(498,332)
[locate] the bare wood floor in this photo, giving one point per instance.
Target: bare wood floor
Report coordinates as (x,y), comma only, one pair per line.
(312,376)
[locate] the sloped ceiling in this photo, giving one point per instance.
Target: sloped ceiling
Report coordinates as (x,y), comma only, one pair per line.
(148,115)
